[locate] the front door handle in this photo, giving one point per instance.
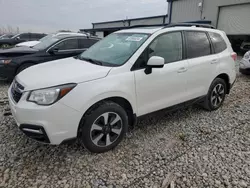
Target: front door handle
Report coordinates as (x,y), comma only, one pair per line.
(214,61)
(182,69)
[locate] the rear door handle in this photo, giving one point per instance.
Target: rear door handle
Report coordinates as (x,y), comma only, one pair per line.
(214,61)
(182,69)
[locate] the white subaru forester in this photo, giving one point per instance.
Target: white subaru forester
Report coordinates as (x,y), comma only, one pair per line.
(95,96)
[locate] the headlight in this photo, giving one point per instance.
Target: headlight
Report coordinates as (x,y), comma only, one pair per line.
(247,55)
(5,61)
(49,96)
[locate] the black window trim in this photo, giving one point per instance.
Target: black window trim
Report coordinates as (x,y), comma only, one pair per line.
(134,68)
(62,40)
(213,43)
(210,43)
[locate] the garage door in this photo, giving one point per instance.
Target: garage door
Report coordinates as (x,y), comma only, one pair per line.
(235,20)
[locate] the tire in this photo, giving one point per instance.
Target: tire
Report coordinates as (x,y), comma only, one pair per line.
(5,46)
(23,67)
(103,127)
(216,95)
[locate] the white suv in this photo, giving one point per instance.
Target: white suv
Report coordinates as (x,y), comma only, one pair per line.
(95,97)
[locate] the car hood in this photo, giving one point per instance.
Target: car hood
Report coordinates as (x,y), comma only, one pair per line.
(18,50)
(5,40)
(29,43)
(53,73)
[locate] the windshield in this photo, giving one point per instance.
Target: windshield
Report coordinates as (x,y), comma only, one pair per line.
(46,37)
(15,36)
(5,36)
(46,42)
(115,49)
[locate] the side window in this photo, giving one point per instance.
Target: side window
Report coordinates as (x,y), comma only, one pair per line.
(33,36)
(168,46)
(86,43)
(197,44)
(218,42)
(24,36)
(69,44)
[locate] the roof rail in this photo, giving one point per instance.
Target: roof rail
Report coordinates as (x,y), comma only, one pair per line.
(190,25)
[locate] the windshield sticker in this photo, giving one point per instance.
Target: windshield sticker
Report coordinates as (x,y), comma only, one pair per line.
(135,39)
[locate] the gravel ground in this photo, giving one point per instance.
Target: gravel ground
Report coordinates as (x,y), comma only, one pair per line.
(189,148)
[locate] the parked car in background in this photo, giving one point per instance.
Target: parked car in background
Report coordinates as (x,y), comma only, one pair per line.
(9,42)
(245,46)
(15,60)
(95,97)
(245,64)
(33,43)
(6,36)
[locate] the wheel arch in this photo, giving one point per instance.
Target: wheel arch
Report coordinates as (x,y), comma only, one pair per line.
(24,63)
(120,100)
(226,78)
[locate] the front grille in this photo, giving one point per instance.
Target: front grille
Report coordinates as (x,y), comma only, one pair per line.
(16,91)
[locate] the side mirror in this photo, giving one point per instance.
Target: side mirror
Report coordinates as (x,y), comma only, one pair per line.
(17,38)
(154,62)
(53,50)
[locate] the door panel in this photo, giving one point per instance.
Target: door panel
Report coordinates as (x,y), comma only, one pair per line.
(201,71)
(202,63)
(164,87)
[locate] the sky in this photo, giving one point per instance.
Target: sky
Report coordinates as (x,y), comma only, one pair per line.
(53,15)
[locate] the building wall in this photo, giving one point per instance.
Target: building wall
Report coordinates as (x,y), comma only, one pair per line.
(110,24)
(100,34)
(185,10)
(188,10)
(142,21)
(150,21)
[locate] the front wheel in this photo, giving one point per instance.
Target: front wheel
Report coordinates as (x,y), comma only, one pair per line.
(216,95)
(5,46)
(103,127)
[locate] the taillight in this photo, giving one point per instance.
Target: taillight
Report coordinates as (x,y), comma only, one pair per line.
(234,56)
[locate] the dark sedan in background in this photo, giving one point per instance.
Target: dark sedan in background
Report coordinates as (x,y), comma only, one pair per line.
(13,61)
(23,37)
(6,36)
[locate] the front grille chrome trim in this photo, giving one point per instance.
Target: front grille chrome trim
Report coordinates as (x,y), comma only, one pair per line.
(16,91)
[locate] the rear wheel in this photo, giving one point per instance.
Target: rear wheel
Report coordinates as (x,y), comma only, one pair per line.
(216,95)
(104,127)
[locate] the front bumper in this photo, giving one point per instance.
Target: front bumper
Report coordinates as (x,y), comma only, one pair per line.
(7,72)
(244,66)
(48,124)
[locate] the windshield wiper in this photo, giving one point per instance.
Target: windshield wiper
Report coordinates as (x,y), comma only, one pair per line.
(92,61)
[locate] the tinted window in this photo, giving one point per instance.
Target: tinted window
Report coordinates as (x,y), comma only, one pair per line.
(69,44)
(24,36)
(218,42)
(168,46)
(86,43)
(197,44)
(34,36)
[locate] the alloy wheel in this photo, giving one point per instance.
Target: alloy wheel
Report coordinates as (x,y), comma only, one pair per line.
(217,95)
(106,129)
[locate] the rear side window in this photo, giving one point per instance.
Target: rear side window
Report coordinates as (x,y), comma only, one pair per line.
(69,44)
(34,36)
(218,42)
(197,44)
(24,36)
(86,43)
